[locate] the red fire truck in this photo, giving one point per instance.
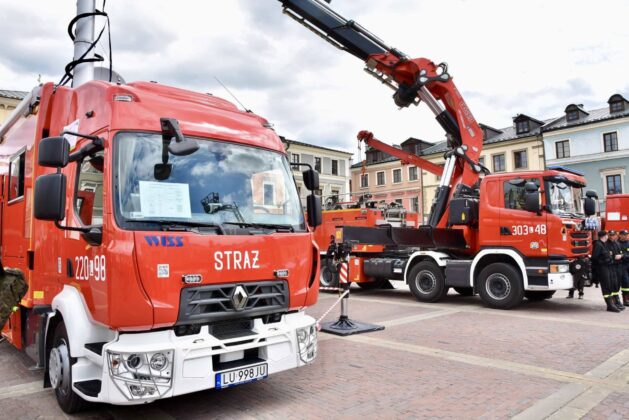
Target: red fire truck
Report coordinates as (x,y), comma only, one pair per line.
(504,236)
(162,239)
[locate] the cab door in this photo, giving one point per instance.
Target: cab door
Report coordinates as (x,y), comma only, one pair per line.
(524,231)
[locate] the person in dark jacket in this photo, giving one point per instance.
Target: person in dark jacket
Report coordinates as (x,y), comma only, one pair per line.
(602,267)
(624,284)
(13,287)
(616,269)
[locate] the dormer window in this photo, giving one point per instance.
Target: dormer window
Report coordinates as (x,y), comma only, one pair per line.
(572,115)
(617,106)
(522,127)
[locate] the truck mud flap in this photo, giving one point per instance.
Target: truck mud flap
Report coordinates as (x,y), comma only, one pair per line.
(424,237)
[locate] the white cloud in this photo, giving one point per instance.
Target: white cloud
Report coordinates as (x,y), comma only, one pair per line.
(506,57)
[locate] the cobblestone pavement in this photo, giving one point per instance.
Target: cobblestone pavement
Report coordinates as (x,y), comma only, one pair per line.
(454,359)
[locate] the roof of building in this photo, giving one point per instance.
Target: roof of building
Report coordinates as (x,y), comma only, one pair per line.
(12,94)
(314,146)
(594,115)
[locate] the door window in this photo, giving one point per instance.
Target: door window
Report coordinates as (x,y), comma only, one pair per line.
(514,193)
(88,202)
(16,176)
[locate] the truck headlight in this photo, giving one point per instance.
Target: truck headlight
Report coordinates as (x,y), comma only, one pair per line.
(142,375)
(559,268)
(307,341)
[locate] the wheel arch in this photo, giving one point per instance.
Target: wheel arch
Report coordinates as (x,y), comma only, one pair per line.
(438,258)
(490,256)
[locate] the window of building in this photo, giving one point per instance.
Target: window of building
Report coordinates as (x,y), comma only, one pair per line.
(399,201)
(415,204)
(412,173)
(318,164)
(614,184)
(481,160)
(16,176)
(499,163)
(364,180)
(335,167)
(617,106)
(295,157)
(397,175)
(562,149)
(88,202)
(520,159)
(514,193)
(572,115)
(522,127)
(380,178)
(610,141)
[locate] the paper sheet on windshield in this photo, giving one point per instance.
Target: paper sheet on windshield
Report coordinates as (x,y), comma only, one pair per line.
(163,199)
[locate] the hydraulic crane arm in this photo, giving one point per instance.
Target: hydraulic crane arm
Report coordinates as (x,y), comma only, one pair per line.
(406,157)
(414,80)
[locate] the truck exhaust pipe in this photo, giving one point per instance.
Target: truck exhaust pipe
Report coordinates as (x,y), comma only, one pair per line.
(84,71)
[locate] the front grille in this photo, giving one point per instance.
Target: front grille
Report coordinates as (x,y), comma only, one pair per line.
(214,303)
(580,250)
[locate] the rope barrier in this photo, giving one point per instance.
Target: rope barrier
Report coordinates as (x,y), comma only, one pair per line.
(330,309)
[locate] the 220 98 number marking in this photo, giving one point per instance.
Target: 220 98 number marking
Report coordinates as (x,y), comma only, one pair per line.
(87,268)
(521,230)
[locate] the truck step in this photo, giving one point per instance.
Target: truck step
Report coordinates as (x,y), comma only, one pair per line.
(90,388)
(95,347)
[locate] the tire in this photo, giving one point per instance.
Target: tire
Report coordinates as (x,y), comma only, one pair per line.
(465,291)
(60,372)
(534,296)
(500,286)
(371,285)
(427,282)
(327,278)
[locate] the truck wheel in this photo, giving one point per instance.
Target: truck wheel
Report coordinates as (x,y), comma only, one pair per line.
(60,372)
(500,286)
(465,291)
(328,278)
(427,282)
(536,296)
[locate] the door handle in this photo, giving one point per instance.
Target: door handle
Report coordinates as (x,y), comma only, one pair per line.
(505,231)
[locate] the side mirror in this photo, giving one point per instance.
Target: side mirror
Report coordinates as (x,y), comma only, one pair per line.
(181,146)
(532,198)
(50,197)
(589,206)
(54,152)
(591,194)
(311,179)
(313,207)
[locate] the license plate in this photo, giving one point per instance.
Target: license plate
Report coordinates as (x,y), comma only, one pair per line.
(241,375)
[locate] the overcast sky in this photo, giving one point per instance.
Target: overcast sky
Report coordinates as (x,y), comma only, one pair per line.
(506,57)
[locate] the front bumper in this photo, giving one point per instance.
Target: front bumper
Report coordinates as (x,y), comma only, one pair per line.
(194,360)
(556,281)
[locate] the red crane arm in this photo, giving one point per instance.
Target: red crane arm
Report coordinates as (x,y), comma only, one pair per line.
(406,157)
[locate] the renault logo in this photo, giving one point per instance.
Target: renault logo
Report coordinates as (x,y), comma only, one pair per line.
(239,298)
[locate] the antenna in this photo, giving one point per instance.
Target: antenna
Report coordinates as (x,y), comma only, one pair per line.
(232,95)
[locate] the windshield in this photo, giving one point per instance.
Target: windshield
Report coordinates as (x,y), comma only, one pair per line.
(221,183)
(565,199)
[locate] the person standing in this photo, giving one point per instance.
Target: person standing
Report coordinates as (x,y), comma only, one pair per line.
(602,267)
(616,269)
(624,284)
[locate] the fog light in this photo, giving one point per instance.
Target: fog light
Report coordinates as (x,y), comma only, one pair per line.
(307,341)
(159,361)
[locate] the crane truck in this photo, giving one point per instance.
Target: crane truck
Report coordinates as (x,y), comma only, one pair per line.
(161,236)
(503,236)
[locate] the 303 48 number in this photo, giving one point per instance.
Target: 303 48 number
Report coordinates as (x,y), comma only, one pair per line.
(520,230)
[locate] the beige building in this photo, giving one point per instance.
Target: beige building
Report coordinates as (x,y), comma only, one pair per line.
(515,148)
(8,101)
(332,165)
(386,179)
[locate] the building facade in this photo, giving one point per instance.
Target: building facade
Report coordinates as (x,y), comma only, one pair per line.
(333,167)
(515,148)
(8,101)
(388,180)
(594,142)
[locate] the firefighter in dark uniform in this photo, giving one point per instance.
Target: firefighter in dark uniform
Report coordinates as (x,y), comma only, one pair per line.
(624,284)
(602,267)
(616,253)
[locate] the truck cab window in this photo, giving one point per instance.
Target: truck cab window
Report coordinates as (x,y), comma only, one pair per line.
(514,193)
(88,202)
(16,176)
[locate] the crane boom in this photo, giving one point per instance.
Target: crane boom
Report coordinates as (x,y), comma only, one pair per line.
(414,80)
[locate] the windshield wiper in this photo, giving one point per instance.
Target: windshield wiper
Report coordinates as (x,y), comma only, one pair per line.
(277,227)
(188,226)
